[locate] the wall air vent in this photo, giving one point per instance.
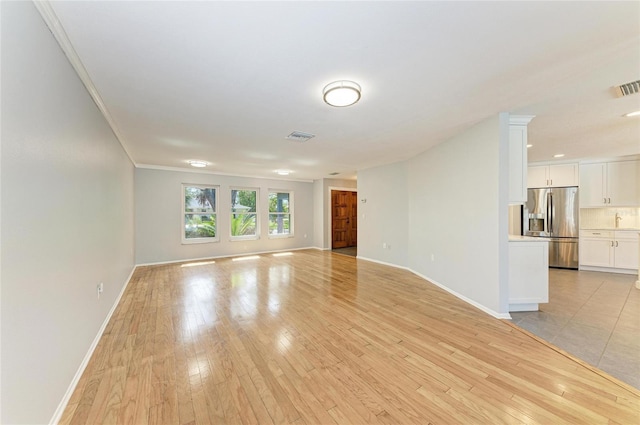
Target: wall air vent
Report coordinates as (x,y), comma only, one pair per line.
(299,136)
(627,89)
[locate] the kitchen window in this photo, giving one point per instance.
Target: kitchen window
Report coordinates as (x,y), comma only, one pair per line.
(199,205)
(280,214)
(244,214)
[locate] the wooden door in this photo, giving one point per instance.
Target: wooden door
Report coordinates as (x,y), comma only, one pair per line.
(344,219)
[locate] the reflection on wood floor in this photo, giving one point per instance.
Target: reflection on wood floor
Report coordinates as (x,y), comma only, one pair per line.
(319,338)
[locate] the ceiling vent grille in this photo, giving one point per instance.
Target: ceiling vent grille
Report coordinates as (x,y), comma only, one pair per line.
(628,88)
(299,136)
(335,173)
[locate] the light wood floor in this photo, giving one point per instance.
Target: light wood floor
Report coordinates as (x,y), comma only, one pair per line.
(320,338)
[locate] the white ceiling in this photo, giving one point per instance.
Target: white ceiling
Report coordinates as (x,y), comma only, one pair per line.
(225,82)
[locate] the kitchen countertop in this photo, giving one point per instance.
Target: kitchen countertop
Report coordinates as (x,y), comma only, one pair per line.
(517,238)
(612,228)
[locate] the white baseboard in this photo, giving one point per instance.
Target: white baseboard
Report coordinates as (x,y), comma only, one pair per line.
(441,286)
(608,270)
(383,263)
(465,299)
(57,415)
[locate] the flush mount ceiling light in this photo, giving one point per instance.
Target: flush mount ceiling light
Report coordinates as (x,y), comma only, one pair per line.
(283,172)
(198,164)
(341,93)
(558,155)
(632,114)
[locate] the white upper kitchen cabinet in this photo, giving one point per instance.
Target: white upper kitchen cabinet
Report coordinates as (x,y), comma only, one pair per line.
(557,175)
(610,184)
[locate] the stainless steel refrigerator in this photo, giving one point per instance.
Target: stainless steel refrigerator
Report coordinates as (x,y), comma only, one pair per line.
(553,213)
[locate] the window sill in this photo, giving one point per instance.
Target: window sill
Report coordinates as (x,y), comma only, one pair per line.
(280,236)
(199,240)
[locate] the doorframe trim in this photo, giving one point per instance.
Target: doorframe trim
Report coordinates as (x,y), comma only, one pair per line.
(329,231)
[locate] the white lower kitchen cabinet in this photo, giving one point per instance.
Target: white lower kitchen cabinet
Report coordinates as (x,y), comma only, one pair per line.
(528,273)
(626,250)
(609,250)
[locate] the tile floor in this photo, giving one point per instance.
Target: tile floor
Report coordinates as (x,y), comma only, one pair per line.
(350,251)
(594,316)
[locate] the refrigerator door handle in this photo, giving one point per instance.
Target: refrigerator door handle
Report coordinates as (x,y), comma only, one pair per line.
(550,213)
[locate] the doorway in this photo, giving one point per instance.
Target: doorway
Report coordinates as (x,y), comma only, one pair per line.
(344,219)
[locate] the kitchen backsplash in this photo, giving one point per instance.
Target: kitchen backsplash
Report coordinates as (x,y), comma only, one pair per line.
(605,218)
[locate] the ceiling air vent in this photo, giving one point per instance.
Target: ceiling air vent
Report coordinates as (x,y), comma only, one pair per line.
(627,89)
(335,173)
(299,136)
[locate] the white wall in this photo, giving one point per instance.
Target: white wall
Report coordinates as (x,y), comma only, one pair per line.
(383,219)
(450,201)
(458,214)
(159,218)
(67,219)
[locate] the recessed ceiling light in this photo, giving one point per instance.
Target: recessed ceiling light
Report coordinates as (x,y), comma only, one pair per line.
(529,145)
(341,93)
(632,114)
(558,155)
(198,164)
(283,172)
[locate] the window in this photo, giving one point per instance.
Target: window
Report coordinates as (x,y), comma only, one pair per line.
(199,211)
(244,214)
(280,209)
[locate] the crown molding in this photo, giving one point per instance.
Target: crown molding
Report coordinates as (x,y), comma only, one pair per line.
(520,119)
(55,26)
(218,173)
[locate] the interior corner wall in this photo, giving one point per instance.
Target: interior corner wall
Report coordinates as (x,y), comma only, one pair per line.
(67,218)
(383,217)
(318,214)
(456,222)
(159,217)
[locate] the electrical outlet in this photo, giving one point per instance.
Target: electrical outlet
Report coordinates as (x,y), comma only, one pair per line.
(100,288)
(384,245)
(433,257)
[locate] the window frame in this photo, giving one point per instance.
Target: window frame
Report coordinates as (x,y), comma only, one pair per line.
(290,214)
(256,213)
(212,239)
